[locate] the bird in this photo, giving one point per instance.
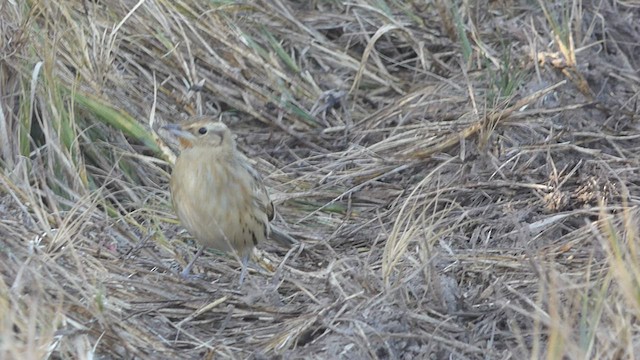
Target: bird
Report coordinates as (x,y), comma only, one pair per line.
(217,195)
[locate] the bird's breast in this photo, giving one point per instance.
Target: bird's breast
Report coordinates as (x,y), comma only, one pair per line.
(212,196)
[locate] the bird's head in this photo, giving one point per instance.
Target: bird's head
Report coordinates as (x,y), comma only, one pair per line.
(201,132)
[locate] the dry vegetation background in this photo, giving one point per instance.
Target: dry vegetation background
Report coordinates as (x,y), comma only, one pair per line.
(462,177)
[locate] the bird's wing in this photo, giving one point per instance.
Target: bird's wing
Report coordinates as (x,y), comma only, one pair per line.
(260,193)
(261,196)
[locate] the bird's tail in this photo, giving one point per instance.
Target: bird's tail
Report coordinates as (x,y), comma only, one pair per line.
(282,237)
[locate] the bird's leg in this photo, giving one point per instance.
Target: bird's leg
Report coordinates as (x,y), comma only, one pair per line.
(187,269)
(245,262)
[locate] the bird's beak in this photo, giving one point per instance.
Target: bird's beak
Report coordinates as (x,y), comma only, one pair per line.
(184,137)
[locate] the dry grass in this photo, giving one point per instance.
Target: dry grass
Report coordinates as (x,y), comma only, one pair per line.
(463,178)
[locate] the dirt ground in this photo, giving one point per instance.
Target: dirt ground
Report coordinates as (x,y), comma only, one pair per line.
(462,178)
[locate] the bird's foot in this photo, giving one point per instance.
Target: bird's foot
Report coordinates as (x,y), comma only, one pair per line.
(186,275)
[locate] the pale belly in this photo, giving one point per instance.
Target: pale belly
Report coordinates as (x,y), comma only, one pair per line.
(215,204)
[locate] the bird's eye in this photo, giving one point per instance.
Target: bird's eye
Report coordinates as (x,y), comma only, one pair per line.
(202,130)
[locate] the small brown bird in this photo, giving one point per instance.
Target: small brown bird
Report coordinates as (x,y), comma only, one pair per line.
(217,195)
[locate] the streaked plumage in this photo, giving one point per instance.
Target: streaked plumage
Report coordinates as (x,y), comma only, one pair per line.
(217,195)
